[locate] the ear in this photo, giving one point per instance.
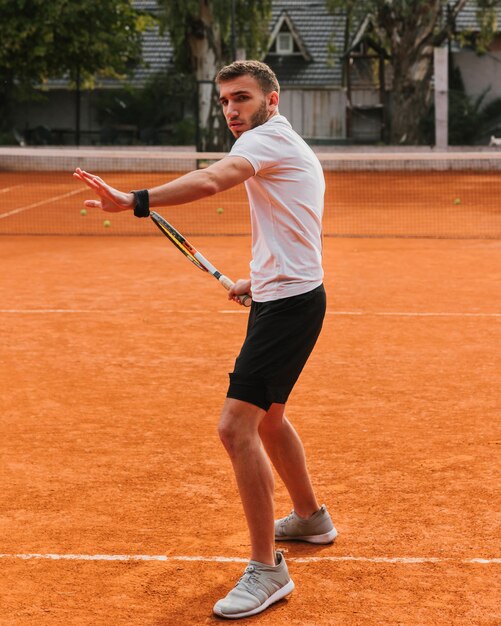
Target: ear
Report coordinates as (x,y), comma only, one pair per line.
(273,100)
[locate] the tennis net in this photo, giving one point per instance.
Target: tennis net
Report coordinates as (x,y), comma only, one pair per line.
(371,194)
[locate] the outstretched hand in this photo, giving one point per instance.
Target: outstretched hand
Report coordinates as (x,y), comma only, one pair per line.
(111,199)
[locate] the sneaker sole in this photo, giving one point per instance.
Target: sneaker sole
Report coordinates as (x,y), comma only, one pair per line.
(325,538)
(275,597)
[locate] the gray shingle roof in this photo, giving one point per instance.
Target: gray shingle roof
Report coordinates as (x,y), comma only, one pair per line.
(311,19)
(318,28)
(146,5)
(157,50)
(467,19)
(157,55)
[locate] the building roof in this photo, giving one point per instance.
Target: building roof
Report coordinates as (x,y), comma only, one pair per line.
(319,29)
(319,33)
(157,55)
(157,50)
(467,18)
(312,24)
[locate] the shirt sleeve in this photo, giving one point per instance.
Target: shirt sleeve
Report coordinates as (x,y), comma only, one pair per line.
(261,149)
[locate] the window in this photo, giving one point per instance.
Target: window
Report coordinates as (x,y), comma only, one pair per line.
(285,43)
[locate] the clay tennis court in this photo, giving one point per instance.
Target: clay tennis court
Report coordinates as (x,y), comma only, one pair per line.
(118,501)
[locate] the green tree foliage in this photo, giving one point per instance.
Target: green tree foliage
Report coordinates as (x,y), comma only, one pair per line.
(202,34)
(189,19)
(408,31)
(59,38)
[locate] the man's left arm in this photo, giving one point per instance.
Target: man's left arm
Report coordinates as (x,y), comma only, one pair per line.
(219,176)
(223,174)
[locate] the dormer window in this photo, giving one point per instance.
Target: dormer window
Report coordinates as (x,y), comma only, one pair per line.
(285,43)
(285,39)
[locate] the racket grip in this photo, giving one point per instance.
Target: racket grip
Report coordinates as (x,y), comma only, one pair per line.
(227,283)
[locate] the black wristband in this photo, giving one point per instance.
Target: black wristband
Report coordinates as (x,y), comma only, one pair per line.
(142,205)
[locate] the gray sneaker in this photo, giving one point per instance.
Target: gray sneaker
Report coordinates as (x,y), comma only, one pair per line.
(260,586)
(315,529)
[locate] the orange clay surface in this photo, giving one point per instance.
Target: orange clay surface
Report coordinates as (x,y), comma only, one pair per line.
(115,353)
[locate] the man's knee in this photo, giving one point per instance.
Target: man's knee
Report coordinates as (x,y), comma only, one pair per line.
(228,432)
(238,425)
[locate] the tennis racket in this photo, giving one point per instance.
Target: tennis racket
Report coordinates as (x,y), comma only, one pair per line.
(194,255)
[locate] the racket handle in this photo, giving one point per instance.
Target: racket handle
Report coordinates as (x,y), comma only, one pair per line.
(227,283)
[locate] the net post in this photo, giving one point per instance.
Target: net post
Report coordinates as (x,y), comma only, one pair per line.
(441,70)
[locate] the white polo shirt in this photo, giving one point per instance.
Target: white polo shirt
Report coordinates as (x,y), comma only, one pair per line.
(286,197)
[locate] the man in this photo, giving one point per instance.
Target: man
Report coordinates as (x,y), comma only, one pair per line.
(285,185)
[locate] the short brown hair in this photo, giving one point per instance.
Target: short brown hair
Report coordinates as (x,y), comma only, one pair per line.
(264,75)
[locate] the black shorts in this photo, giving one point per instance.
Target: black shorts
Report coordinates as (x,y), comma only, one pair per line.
(280,337)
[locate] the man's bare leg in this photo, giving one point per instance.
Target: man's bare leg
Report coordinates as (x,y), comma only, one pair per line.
(285,449)
(239,432)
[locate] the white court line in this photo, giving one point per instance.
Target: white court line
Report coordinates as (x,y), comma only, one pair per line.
(29,311)
(391,313)
(412,314)
(99,311)
(226,559)
(42,202)
(245,311)
(6,189)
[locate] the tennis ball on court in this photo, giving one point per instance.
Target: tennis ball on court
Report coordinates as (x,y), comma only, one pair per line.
(457,200)
(219,210)
(83,212)
(106,223)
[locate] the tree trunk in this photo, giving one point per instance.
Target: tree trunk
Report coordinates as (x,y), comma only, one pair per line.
(412,32)
(205,46)
(412,95)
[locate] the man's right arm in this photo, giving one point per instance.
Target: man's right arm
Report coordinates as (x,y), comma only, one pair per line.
(241,287)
